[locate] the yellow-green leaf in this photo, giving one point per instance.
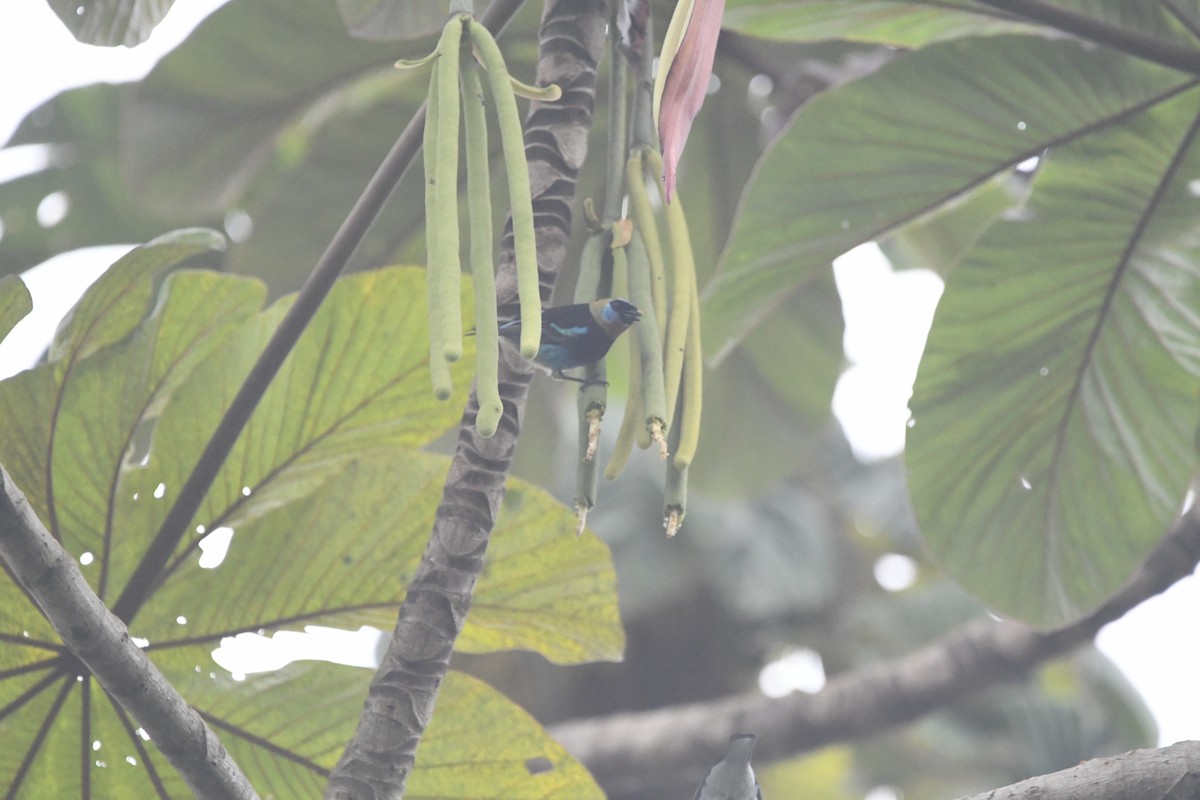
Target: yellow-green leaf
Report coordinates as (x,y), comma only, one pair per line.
(343,558)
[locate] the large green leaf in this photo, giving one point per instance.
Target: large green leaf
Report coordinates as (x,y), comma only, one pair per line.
(111,22)
(299,142)
(111,397)
(287,729)
(1055,408)
(325,157)
(874,154)
(898,24)
(387,20)
(921,22)
(502,753)
(15,303)
(357,382)
(207,117)
(77,130)
(330,502)
(941,239)
(33,403)
(343,556)
(322,165)
(116,302)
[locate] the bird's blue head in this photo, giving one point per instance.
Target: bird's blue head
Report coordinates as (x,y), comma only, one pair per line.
(623,312)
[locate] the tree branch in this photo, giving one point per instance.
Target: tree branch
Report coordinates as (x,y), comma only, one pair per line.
(400,701)
(1172,773)
(671,747)
(101,641)
(1169,54)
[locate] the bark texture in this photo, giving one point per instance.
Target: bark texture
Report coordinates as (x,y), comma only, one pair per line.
(401,698)
(1171,773)
(656,752)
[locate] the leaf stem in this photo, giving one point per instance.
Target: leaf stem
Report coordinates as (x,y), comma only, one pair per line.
(1184,19)
(618,130)
(479,204)
(1168,54)
(520,199)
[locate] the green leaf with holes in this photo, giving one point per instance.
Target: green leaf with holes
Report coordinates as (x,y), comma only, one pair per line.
(286,729)
(343,556)
(62,426)
(330,501)
(356,383)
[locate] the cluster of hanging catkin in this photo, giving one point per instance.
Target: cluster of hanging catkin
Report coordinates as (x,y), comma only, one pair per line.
(665,364)
(457,66)
(665,373)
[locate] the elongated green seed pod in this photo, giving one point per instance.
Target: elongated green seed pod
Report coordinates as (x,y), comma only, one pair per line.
(439,370)
(591,260)
(648,338)
(479,204)
(617,133)
(642,433)
(675,493)
(643,218)
(519,193)
(693,389)
(449,284)
(587,470)
(593,397)
(596,406)
(631,421)
(683,276)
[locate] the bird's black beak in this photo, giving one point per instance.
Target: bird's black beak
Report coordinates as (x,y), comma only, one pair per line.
(630,314)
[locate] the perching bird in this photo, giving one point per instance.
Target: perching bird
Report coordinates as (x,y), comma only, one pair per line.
(732,778)
(577,335)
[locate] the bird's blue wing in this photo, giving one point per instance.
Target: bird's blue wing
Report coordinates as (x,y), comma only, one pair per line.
(554,333)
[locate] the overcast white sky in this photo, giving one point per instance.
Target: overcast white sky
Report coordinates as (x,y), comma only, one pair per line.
(887,316)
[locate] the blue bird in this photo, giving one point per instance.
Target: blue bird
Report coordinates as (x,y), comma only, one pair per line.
(577,335)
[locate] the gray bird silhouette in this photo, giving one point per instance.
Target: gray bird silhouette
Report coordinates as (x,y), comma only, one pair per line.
(732,778)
